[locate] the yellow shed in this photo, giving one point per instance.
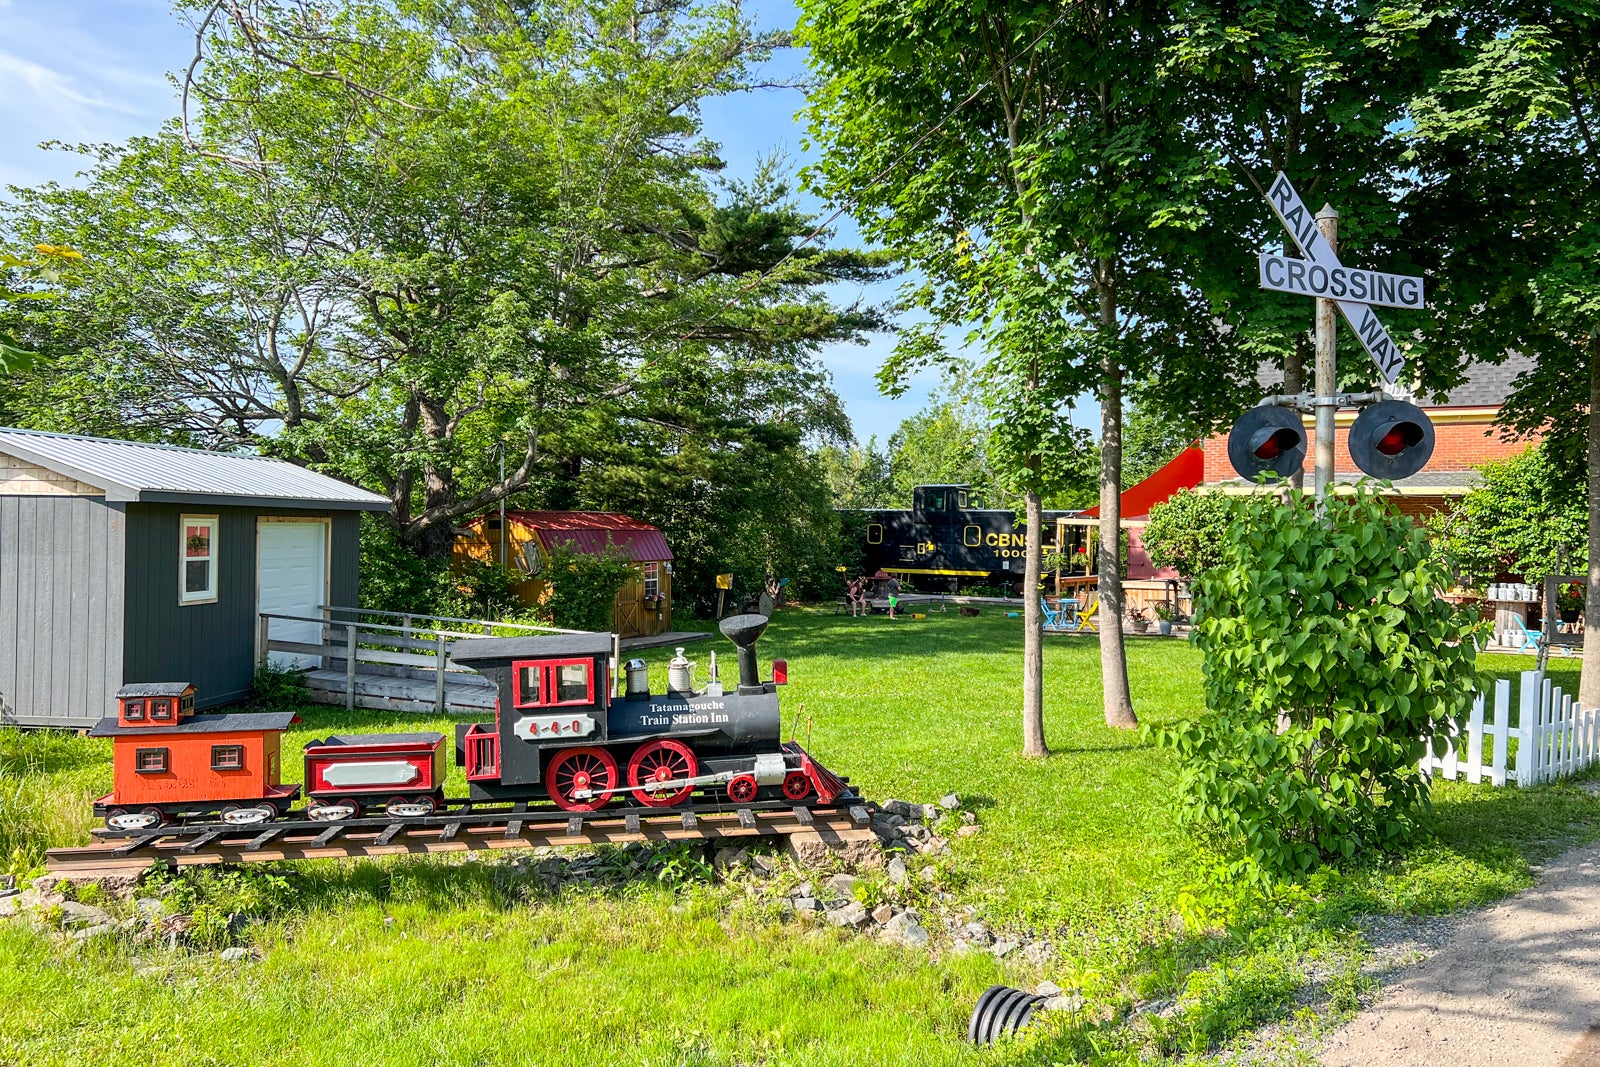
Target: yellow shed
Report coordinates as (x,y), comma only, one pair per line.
(644,605)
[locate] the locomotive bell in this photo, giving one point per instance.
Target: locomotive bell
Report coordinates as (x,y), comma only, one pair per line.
(743,630)
(638,684)
(680,674)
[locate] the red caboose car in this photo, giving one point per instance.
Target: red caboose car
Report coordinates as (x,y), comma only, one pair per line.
(168,762)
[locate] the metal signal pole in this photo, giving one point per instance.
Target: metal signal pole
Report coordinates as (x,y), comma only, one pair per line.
(1327,383)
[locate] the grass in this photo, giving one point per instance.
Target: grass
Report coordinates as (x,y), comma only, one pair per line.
(412,960)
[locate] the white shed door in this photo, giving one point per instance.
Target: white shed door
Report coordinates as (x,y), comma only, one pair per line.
(291,573)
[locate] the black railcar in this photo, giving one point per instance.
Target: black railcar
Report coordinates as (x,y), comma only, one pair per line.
(947,539)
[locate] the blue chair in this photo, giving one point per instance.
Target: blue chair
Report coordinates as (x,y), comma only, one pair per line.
(1052,617)
(1527,638)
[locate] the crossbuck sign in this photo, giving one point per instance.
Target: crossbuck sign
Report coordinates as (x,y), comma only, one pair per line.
(1321,274)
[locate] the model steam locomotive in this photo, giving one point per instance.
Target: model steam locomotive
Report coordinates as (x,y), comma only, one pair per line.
(559,734)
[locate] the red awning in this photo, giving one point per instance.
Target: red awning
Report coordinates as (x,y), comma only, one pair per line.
(590,531)
(1186,471)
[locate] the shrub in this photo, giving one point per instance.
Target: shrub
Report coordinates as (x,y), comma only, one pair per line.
(1187,532)
(1330,662)
(583,587)
(277,687)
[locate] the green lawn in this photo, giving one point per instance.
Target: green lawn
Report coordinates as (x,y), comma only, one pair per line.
(482,963)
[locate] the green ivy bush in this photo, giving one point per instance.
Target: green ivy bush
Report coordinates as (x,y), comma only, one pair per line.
(1189,531)
(584,587)
(1330,663)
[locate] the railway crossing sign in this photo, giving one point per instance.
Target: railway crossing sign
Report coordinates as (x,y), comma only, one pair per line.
(1320,274)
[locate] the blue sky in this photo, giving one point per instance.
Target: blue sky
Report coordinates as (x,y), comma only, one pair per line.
(96,71)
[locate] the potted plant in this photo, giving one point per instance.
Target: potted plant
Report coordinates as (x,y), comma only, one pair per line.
(1163,612)
(1569,601)
(1140,620)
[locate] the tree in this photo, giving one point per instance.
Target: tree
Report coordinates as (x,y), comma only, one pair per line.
(28,278)
(389,240)
(1528,517)
(1189,531)
(857,476)
(944,443)
(1039,167)
(1153,437)
(1506,157)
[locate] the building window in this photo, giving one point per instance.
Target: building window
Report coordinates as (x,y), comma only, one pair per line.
(161,711)
(552,682)
(652,580)
(150,760)
(133,711)
(874,533)
(227,757)
(197,575)
(972,537)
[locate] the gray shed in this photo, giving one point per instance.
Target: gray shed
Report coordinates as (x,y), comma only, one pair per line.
(124,562)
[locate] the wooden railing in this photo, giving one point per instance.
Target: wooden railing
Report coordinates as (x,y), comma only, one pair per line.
(417,641)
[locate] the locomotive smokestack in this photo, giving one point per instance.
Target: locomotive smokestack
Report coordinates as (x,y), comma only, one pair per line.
(743,630)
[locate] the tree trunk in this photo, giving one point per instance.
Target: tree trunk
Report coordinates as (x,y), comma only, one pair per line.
(1589,681)
(1033,634)
(1113,653)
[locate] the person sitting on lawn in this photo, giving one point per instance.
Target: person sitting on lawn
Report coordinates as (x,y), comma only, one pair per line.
(893,589)
(856,592)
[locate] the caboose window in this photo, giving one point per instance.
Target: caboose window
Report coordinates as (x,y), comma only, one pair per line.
(908,553)
(972,537)
(874,533)
(134,711)
(161,711)
(197,562)
(552,682)
(227,757)
(935,501)
(961,499)
(150,760)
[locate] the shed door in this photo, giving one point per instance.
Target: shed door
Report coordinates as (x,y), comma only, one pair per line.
(291,574)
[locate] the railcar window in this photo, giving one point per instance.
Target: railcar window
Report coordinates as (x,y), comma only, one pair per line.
(572,683)
(961,499)
(150,760)
(874,533)
(908,552)
(934,501)
(135,711)
(161,710)
(529,689)
(972,536)
(227,757)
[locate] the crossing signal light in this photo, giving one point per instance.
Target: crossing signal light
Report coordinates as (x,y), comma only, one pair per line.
(1391,439)
(1268,441)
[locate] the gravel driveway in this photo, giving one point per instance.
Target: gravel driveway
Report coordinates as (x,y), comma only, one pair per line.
(1517,984)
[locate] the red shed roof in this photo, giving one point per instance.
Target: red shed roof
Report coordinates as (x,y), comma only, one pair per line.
(589,531)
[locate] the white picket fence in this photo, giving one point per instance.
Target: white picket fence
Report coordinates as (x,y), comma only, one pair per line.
(1554,736)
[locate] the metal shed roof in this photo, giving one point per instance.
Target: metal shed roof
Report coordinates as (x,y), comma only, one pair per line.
(591,532)
(146,473)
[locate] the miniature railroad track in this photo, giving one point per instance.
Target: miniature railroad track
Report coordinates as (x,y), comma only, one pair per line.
(460,827)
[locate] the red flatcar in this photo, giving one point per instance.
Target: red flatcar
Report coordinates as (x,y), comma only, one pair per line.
(167,762)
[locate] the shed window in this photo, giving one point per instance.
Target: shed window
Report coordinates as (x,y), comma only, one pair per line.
(874,533)
(197,573)
(652,580)
(972,537)
(133,711)
(161,711)
(150,760)
(552,682)
(227,757)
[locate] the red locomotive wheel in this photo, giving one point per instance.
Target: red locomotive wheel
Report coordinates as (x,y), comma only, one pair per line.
(575,771)
(661,761)
(796,786)
(742,790)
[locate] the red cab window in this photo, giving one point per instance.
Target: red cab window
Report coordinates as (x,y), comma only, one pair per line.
(227,757)
(134,711)
(161,710)
(549,683)
(150,760)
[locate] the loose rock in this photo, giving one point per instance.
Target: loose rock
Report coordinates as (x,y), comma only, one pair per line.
(852,914)
(882,913)
(74,914)
(950,802)
(978,934)
(235,954)
(843,885)
(897,871)
(897,807)
(806,904)
(1002,949)
(97,930)
(1047,989)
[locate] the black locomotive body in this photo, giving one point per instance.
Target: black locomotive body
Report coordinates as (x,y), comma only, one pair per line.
(560,731)
(945,540)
